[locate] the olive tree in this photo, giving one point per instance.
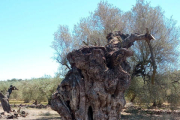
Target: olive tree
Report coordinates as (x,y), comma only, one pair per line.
(89,31)
(92,31)
(166,32)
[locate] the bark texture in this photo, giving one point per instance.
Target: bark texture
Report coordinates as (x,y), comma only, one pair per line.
(94,87)
(5,99)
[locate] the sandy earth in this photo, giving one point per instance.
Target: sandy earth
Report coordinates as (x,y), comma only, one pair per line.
(49,114)
(38,114)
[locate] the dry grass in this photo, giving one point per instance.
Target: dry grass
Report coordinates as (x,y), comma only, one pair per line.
(12,102)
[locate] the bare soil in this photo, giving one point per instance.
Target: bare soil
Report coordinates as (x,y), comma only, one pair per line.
(38,114)
(134,112)
(130,113)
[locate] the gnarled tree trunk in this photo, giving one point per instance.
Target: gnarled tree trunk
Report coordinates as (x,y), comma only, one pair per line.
(5,99)
(94,87)
(5,103)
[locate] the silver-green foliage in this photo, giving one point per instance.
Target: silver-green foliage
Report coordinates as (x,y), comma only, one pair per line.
(39,89)
(93,29)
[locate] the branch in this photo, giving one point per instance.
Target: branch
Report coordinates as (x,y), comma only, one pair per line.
(63,63)
(152,55)
(85,43)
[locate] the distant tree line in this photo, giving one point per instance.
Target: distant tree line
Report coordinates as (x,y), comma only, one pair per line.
(36,89)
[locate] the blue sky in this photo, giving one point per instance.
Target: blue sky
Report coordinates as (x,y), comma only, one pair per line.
(27,27)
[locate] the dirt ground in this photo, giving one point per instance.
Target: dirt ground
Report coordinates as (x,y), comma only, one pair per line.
(145,116)
(133,112)
(127,114)
(38,114)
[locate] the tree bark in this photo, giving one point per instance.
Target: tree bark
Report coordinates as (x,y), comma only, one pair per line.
(94,87)
(5,99)
(133,98)
(5,103)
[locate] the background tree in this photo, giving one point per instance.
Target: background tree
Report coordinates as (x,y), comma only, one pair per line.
(39,89)
(166,33)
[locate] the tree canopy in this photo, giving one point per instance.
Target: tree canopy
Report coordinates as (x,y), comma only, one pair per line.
(93,30)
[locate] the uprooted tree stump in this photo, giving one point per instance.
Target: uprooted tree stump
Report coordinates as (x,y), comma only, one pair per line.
(8,113)
(94,87)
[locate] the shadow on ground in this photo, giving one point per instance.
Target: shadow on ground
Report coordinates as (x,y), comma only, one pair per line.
(138,114)
(49,118)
